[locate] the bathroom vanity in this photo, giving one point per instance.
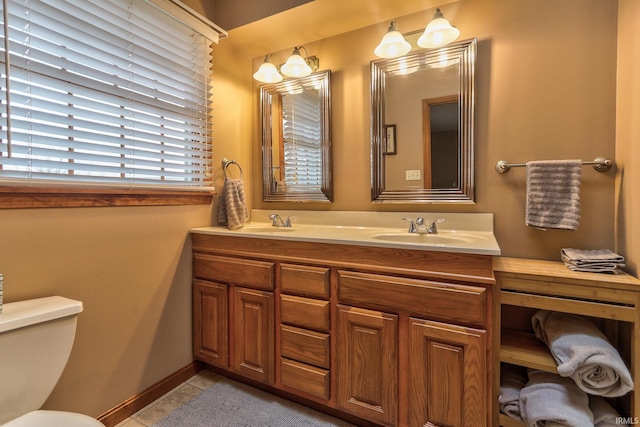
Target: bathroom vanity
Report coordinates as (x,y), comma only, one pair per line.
(380,330)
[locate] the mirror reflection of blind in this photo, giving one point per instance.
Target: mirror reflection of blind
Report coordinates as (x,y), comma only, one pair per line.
(302,134)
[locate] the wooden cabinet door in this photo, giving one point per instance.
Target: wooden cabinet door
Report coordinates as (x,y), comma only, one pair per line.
(447,375)
(211,323)
(253,334)
(367,381)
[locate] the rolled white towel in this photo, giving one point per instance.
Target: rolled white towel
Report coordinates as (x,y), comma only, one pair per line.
(604,415)
(512,380)
(583,353)
(551,400)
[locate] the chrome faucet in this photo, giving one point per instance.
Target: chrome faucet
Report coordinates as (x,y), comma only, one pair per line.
(277,221)
(419,227)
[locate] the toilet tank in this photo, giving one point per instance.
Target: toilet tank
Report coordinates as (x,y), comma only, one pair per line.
(36,337)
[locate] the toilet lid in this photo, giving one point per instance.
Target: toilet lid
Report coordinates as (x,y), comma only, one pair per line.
(53,419)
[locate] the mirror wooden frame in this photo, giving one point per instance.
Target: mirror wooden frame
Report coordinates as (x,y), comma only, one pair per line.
(465,53)
(321,81)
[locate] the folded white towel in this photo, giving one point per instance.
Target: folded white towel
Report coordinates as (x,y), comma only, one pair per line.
(550,400)
(604,415)
(606,268)
(588,256)
(583,353)
(594,261)
(512,380)
(553,194)
(232,209)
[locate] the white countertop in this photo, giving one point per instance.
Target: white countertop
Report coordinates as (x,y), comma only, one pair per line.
(462,232)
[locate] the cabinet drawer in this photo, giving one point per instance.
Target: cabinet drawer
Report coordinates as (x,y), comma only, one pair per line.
(236,271)
(306,378)
(305,346)
(305,280)
(305,312)
(434,300)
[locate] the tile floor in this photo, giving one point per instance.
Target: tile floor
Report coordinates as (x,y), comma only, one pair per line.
(171,401)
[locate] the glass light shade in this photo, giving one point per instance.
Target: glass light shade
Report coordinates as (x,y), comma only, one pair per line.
(392,44)
(439,32)
(296,66)
(267,73)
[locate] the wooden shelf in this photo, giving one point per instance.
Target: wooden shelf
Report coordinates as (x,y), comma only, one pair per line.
(527,285)
(524,349)
(506,421)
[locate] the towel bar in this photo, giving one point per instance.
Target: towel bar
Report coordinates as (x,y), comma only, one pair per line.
(601,164)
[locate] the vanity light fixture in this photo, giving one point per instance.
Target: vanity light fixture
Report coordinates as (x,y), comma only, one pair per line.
(392,44)
(438,32)
(297,66)
(267,73)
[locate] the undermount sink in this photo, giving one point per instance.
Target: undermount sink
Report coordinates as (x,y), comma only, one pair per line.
(427,238)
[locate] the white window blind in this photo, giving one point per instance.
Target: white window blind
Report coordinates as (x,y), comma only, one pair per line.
(104,92)
(302,134)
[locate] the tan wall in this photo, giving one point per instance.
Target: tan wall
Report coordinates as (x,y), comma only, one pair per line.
(131,268)
(628,134)
(544,91)
(546,88)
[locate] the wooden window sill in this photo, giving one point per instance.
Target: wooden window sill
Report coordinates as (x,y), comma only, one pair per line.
(25,198)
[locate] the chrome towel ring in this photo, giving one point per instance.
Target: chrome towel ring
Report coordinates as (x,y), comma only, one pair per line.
(225,165)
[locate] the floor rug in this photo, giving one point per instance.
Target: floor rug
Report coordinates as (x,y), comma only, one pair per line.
(232,404)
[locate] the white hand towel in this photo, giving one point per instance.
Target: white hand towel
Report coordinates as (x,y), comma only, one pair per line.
(232,209)
(512,380)
(553,194)
(550,400)
(583,353)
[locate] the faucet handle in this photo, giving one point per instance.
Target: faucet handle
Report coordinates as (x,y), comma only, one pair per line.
(412,225)
(433,229)
(289,220)
(274,218)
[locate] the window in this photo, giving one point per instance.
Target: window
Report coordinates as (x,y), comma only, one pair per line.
(105,94)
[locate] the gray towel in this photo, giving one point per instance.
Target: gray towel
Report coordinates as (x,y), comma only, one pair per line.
(594,261)
(232,209)
(512,380)
(550,400)
(604,415)
(583,353)
(553,194)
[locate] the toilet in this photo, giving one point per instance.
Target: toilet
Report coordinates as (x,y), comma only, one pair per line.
(36,337)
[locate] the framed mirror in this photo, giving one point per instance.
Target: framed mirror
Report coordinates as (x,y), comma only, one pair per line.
(296,139)
(422,126)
